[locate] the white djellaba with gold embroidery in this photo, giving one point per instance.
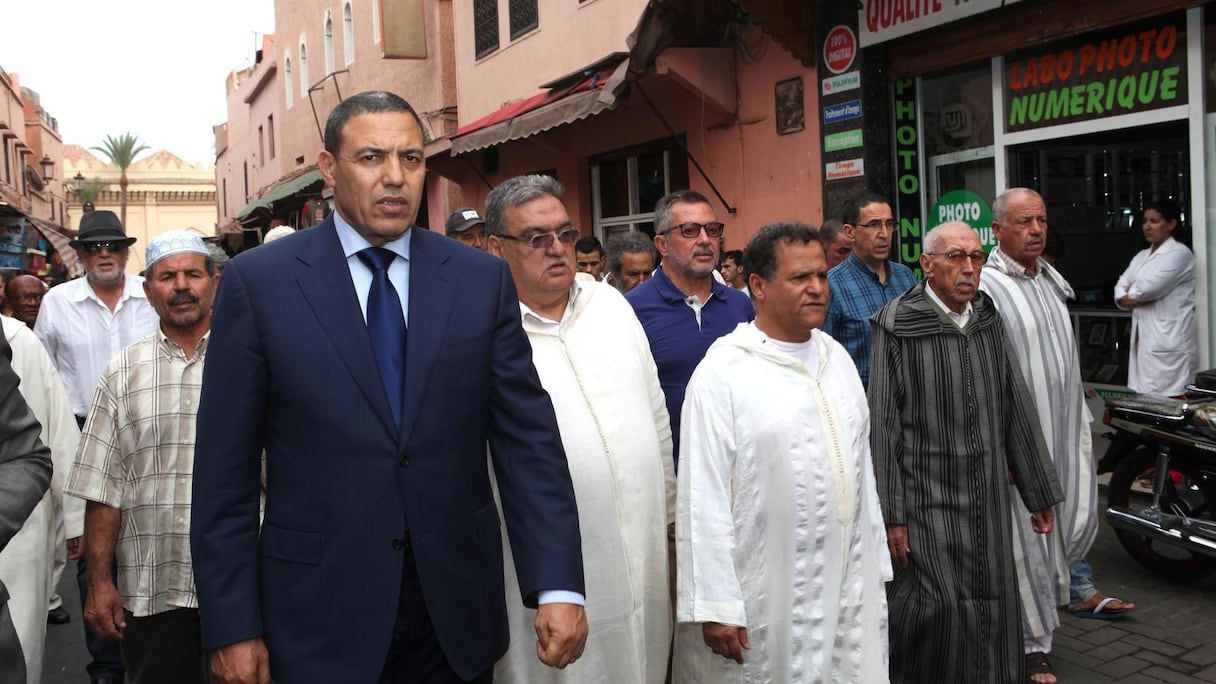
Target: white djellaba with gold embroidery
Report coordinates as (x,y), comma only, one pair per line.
(778,527)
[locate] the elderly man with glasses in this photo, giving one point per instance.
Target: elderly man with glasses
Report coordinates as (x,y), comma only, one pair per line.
(866,281)
(83,324)
(683,308)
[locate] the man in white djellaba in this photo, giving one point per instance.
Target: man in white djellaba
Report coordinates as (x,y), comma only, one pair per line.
(594,360)
(780,544)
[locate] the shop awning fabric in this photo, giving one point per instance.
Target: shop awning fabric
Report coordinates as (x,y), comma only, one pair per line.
(535,114)
(285,188)
(60,237)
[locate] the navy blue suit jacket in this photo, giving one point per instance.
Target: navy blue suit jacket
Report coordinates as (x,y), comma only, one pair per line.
(290,369)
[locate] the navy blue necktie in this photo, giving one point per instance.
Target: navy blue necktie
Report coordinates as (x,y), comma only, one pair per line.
(386,326)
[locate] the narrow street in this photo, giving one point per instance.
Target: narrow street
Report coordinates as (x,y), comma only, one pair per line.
(1168,639)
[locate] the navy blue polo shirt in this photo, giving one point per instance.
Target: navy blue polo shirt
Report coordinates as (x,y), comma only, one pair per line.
(677,342)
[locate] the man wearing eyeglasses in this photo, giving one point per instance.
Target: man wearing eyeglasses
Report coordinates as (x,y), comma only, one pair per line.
(683,308)
(83,324)
(865,281)
(1033,297)
(24,295)
(954,427)
(594,361)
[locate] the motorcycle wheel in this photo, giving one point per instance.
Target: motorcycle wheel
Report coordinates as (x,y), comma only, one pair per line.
(1188,488)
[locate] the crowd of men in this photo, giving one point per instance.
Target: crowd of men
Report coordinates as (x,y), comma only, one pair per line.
(668,462)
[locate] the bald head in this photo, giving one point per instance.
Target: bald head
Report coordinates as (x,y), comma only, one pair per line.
(24,295)
(951,261)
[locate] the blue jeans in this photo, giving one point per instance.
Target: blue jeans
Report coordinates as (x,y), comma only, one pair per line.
(107,655)
(1081,584)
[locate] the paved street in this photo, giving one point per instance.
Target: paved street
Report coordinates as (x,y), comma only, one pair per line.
(1171,637)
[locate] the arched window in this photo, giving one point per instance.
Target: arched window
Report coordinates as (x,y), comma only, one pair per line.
(329,43)
(288,86)
(303,69)
(348,34)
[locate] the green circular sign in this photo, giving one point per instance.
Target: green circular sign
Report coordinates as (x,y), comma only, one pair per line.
(967,207)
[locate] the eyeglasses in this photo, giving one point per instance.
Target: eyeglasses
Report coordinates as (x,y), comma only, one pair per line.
(545,240)
(956,256)
(113,246)
(29,298)
(889,224)
(692,229)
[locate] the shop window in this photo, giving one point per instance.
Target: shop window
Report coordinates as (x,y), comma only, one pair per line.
(1095,187)
(348,34)
(956,126)
(626,185)
(485,27)
(524,17)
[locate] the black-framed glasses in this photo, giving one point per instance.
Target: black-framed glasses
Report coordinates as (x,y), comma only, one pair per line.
(956,256)
(692,229)
(889,224)
(113,246)
(27,297)
(568,236)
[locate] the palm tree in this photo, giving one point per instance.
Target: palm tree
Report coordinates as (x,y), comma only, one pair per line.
(121,151)
(89,191)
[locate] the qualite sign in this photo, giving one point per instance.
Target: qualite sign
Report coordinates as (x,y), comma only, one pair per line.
(842,112)
(836,84)
(848,168)
(845,140)
(882,20)
(839,49)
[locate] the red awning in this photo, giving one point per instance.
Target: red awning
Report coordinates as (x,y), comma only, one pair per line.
(534,114)
(60,237)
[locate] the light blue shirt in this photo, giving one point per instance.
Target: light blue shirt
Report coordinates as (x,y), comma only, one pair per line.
(399,276)
(361,275)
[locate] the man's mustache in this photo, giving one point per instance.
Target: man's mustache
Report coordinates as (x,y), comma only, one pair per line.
(183,298)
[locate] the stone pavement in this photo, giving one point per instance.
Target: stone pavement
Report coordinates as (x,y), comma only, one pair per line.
(1171,637)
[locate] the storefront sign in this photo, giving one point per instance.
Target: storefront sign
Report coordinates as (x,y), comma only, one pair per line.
(907,174)
(844,140)
(836,84)
(839,49)
(848,168)
(882,20)
(842,112)
(966,207)
(1130,70)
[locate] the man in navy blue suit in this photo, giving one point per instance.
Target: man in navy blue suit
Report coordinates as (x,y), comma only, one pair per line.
(380,556)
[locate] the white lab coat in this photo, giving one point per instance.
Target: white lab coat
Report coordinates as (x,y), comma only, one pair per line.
(1165,334)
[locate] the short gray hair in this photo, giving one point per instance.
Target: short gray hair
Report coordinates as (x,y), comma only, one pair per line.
(662,208)
(931,237)
(633,242)
(1001,206)
(515,192)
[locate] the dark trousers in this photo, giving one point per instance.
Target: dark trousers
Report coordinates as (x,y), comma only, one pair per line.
(166,647)
(107,655)
(414,655)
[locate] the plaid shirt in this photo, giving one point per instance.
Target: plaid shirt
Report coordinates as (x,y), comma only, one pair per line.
(856,295)
(137,455)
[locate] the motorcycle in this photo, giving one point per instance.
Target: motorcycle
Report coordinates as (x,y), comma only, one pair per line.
(1161,498)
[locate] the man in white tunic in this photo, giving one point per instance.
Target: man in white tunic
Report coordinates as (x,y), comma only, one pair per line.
(780,544)
(26,563)
(594,360)
(1032,297)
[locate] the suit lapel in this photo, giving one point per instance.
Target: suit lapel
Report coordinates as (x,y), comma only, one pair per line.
(431,293)
(324,278)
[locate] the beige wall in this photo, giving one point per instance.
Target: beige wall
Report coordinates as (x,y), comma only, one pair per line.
(570,35)
(163,193)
